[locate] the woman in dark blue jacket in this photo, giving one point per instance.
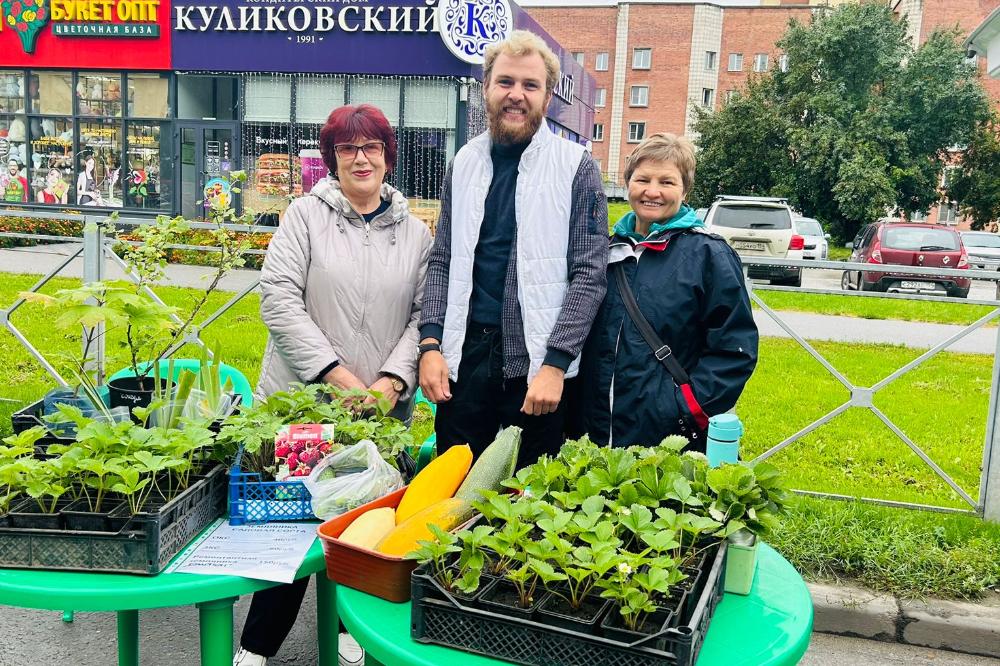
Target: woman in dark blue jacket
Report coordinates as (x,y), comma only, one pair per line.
(688,285)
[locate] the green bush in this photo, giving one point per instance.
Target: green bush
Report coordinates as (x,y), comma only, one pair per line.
(34,225)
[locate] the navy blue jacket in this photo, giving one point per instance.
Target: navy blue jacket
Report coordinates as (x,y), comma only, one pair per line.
(689,285)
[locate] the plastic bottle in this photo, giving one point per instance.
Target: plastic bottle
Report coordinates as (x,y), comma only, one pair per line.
(723,445)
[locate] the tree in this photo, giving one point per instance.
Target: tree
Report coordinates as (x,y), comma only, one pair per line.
(976,182)
(859,125)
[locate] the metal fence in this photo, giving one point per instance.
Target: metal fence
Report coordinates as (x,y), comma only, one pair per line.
(96,250)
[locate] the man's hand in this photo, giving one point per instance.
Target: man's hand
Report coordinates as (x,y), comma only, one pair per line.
(544,392)
(434,376)
(343,378)
(384,386)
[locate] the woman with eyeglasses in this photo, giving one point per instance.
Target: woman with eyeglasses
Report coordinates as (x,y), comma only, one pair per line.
(341,290)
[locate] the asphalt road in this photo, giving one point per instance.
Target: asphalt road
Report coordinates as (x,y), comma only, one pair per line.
(169,636)
(820,278)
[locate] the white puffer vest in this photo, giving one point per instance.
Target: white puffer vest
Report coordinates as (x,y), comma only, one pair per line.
(543,201)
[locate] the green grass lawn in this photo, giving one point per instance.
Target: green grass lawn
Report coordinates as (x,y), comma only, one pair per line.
(875,308)
(941,406)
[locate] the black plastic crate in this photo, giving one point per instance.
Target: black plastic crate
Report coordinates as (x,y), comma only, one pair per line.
(144,545)
(440,618)
(31,416)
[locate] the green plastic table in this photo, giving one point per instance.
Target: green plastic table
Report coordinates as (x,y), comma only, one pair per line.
(769,626)
(127,595)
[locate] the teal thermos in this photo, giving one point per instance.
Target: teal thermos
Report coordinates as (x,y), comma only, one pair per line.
(723,445)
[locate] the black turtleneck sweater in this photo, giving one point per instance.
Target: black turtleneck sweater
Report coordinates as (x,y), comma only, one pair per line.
(496,237)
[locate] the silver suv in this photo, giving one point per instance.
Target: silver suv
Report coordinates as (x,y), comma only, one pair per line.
(759,227)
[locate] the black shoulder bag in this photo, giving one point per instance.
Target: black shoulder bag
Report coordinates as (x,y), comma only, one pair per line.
(661,350)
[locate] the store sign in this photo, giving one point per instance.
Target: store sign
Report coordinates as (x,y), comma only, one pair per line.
(328,36)
(85,33)
(467,27)
(564,89)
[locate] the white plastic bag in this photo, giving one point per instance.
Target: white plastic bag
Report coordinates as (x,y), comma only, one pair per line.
(349,478)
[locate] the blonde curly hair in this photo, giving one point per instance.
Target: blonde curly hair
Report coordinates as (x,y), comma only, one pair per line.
(522,43)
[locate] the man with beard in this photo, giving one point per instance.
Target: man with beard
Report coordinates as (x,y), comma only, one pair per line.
(517,272)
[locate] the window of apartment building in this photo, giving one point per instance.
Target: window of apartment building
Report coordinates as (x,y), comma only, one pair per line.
(639,96)
(948,213)
(707,97)
(600,165)
(731,95)
(946,177)
(760,62)
(735,62)
(642,58)
(711,60)
(598,132)
(601,98)
(636,132)
(578,56)
(783,62)
(601,63)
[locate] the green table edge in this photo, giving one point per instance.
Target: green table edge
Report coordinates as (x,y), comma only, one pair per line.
(380,637)
(88,591)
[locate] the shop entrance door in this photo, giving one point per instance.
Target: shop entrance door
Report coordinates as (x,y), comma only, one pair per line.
(208,151)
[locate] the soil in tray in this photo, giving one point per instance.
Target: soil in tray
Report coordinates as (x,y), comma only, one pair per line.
(504,598)
(613,627)
(28,515)
(558,612)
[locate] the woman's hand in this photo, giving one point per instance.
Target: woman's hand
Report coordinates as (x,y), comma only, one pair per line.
(343,378)
(384,386)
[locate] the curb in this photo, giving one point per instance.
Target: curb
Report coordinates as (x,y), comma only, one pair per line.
(936,623)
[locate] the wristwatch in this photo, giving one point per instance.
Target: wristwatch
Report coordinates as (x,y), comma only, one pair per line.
(425,347)
(397,384)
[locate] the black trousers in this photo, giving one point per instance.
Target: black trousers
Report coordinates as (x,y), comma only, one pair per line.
(272,615)
(483,402)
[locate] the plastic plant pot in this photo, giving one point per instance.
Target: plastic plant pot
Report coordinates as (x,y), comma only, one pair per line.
(741,565)
(132,392)
(78,516)
(503,598)
(613,627)
(557,612)
(28,515)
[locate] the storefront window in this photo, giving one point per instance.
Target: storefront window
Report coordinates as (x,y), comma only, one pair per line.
(13,181)
(308,166)
(271,173)
(99,171)
(11,92)
(149,167)
(52,172)
(382,92)
(268,98)
(430,104)
(99,95)
(147,96)
(51,93)
(316,97)
(13,139)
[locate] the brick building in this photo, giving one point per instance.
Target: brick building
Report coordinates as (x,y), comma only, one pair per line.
(654,61)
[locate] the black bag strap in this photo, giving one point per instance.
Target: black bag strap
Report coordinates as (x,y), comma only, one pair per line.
(661,350)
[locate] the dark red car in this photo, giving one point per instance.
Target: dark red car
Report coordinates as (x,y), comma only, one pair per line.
(908,244)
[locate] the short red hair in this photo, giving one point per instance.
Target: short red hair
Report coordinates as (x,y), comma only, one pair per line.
(349,123)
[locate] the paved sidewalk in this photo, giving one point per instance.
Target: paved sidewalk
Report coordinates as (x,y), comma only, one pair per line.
(971,628)
(810,326)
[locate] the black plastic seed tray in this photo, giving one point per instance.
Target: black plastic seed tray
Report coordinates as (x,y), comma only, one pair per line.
(438,617)
(143,544)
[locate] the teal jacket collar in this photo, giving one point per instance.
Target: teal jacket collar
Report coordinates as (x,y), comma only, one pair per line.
(684,219)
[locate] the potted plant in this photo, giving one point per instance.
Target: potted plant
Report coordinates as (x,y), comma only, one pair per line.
(151,329)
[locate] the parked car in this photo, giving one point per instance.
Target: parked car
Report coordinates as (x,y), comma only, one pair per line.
(908,244)
(816,245)
(983,248)
(759,227)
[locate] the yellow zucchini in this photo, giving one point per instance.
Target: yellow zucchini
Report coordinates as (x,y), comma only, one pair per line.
(438,481)
(368,529)
(447,514)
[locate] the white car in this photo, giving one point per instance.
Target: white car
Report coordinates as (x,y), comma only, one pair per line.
(983,248)
(816,246)
(759,227)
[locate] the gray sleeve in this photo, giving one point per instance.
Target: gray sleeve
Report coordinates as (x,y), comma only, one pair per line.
(436,290)
(587,256)
(282,300)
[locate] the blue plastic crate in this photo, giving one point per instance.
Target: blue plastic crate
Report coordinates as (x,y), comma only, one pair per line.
(252,500)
